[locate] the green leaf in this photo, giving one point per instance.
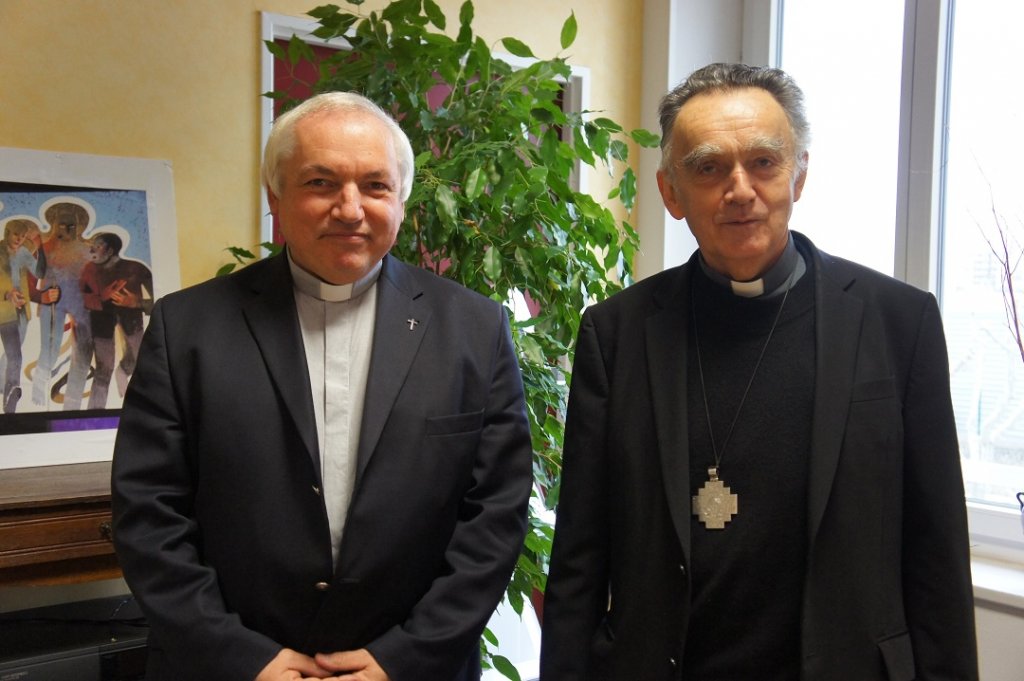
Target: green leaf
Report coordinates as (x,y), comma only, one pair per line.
(446,206)
(607,124)
(517,47)
(627,189)
(490,637)
(569,31)
(299,49)
(276,50)
(531,349)
(475,183)
(426,120)
(581,147)
(240,253)
(423,158)
(492,263)
(226,269)
(483,57)
(645,138)
(619,150)
(600,142)
(466,13)
(507,669)
(323,11)
(434,13)
(542,115)
(537,175)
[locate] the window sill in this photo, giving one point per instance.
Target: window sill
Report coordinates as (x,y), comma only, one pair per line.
(999,583)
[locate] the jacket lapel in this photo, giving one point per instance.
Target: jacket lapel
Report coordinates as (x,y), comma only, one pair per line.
(403,316)
(837,337)
(274,323)
(666,333)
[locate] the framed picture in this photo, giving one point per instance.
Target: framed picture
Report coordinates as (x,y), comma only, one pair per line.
(89,243)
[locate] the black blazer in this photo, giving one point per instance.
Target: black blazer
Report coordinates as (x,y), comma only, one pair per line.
(887,594)
(218,519)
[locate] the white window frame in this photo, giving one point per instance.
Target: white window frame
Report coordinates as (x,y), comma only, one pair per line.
(995,532)
(279,27)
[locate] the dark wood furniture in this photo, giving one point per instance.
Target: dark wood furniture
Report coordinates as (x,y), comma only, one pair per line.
(55,525)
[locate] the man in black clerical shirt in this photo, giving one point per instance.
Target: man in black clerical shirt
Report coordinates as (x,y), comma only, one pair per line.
(761,472)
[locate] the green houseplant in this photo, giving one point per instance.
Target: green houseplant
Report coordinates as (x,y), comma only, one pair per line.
(494,205)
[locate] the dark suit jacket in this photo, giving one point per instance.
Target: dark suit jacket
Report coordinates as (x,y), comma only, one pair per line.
(887,594)
(218,519)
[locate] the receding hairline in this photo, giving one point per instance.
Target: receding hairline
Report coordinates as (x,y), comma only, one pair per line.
(346,114)
(705,150)
(281,141)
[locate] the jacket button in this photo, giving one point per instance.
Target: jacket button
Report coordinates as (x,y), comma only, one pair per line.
(682,569)
(672,662)
(321,586)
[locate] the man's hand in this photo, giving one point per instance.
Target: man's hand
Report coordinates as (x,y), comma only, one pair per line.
(16,298)
(117,292)
(352,665)
(289,665)
(50,296)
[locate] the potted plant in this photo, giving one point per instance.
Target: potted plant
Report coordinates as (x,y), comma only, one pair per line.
(494,205)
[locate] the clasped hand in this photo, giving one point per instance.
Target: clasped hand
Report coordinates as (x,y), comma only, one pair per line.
(353,665)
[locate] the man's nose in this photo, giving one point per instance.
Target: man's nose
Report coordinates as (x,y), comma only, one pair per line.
(740,189)
(349,205)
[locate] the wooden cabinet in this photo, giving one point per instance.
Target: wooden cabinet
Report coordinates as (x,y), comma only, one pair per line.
(55,525)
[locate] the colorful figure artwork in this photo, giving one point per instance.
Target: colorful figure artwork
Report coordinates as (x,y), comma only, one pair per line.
(76,288)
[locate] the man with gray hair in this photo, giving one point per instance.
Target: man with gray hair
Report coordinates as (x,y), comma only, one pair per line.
(323,462)
(761,472)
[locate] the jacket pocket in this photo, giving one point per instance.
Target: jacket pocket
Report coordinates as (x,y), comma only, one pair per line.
(454,424)
(898,655)
(880,389)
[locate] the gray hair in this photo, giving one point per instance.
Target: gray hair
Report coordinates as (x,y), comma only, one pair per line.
(281,141)
(726,77)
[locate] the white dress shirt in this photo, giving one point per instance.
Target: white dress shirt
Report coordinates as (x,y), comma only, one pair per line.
(337,332)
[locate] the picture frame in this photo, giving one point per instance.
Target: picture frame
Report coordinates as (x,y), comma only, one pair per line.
(132,198)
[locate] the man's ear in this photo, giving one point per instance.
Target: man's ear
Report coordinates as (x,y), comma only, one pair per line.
(798,186)
(272,200)
(668,195)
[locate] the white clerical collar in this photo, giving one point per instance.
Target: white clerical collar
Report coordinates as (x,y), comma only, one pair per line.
(313,286)
(780,277)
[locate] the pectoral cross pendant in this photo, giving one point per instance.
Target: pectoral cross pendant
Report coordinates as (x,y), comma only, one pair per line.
(715,504)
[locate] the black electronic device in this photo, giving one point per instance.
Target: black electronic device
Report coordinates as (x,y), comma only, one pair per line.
(97,640)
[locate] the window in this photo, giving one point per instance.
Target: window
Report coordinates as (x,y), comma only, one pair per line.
(848,207)
(983,229)
(915,119)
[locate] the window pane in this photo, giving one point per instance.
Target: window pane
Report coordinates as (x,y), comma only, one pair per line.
(983,206)
(848,207)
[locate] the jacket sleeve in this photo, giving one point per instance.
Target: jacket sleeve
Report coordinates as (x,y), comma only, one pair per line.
(156,534)
(486,540)
(936,563)
(576,597)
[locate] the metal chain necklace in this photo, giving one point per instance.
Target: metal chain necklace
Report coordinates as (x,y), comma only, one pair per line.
(715,504)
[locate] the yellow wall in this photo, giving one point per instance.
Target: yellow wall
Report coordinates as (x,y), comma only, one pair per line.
(179,80)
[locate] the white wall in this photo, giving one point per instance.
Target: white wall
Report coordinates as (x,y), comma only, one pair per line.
(1000,642)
